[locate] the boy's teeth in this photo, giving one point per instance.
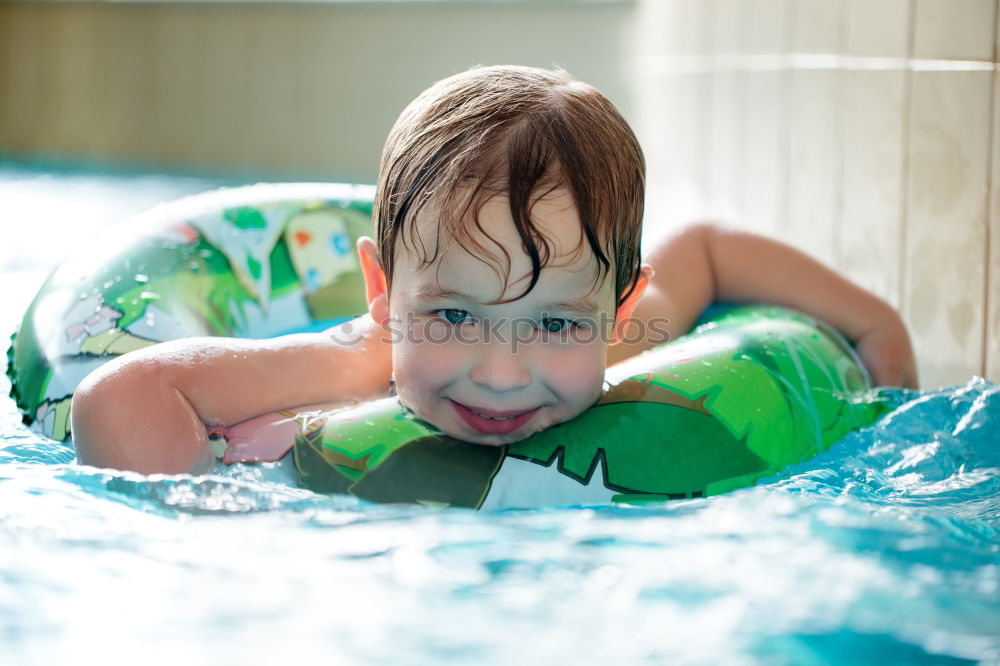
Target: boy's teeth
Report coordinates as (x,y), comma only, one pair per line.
(495,418)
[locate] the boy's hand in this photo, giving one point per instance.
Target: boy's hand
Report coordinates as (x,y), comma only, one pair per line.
(887,352)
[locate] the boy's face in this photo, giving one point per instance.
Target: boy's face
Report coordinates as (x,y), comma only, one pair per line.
(495,373)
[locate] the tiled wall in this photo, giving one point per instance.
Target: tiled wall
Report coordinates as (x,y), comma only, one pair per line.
(290,88)
(864,132)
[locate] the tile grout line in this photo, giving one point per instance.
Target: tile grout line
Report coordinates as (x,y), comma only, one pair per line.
(772,62)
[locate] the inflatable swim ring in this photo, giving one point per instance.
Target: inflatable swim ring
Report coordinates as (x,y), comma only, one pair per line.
(749,391)
(254,261)
(746,393)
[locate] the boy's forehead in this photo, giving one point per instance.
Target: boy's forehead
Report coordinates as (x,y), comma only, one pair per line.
(553,213)
(478,261)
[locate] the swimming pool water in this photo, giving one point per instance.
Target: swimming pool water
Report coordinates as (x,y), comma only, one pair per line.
(883,550)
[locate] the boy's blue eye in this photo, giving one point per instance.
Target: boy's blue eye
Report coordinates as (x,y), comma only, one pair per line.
(454,315)
(555,324)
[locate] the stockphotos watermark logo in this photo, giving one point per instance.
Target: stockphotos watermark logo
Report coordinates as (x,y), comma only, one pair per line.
(516,332)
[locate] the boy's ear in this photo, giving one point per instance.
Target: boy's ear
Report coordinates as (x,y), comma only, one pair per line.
(627,308)
(376,289)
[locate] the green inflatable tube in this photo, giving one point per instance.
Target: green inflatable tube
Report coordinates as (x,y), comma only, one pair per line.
(254,262)
(751,390)
(745,394)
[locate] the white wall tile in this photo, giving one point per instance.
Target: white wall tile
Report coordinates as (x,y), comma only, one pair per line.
(725,118)
(673,87)
(674,146)
(819,26)
(673,26)
(727,33)
(874,176)
(875,149)
(815,127)
(765,150)
(653,26)
(701,91)
(993,265)
(725,150)
(948,186)
(766,26)
(766,31)
(954,29)
(815,172)
(880,28)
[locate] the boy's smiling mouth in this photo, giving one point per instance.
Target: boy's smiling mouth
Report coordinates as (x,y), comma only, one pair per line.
(492,421)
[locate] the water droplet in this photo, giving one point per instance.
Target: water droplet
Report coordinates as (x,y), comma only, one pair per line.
(141,278)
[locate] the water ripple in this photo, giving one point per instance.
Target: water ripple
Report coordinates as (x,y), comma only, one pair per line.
(884,549)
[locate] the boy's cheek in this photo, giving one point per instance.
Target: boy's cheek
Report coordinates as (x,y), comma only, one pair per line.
(422,362)
(580,369)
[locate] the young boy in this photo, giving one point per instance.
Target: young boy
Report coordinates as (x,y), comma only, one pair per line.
(507,223)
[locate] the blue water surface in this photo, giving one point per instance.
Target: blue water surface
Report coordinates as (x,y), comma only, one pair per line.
(882,550)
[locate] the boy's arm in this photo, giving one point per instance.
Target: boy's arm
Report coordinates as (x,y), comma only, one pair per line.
(148,410)
(705,264)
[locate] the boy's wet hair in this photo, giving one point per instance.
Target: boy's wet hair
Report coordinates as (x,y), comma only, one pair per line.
(523,132)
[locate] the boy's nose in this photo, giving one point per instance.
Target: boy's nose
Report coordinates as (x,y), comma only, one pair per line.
(499,369)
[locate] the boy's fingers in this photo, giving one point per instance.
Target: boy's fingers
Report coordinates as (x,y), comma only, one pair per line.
(889,360)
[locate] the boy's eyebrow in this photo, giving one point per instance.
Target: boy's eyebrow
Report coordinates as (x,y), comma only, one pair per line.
(579,304)
(430,292)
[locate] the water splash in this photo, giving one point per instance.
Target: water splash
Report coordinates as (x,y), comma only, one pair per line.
(881,550)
